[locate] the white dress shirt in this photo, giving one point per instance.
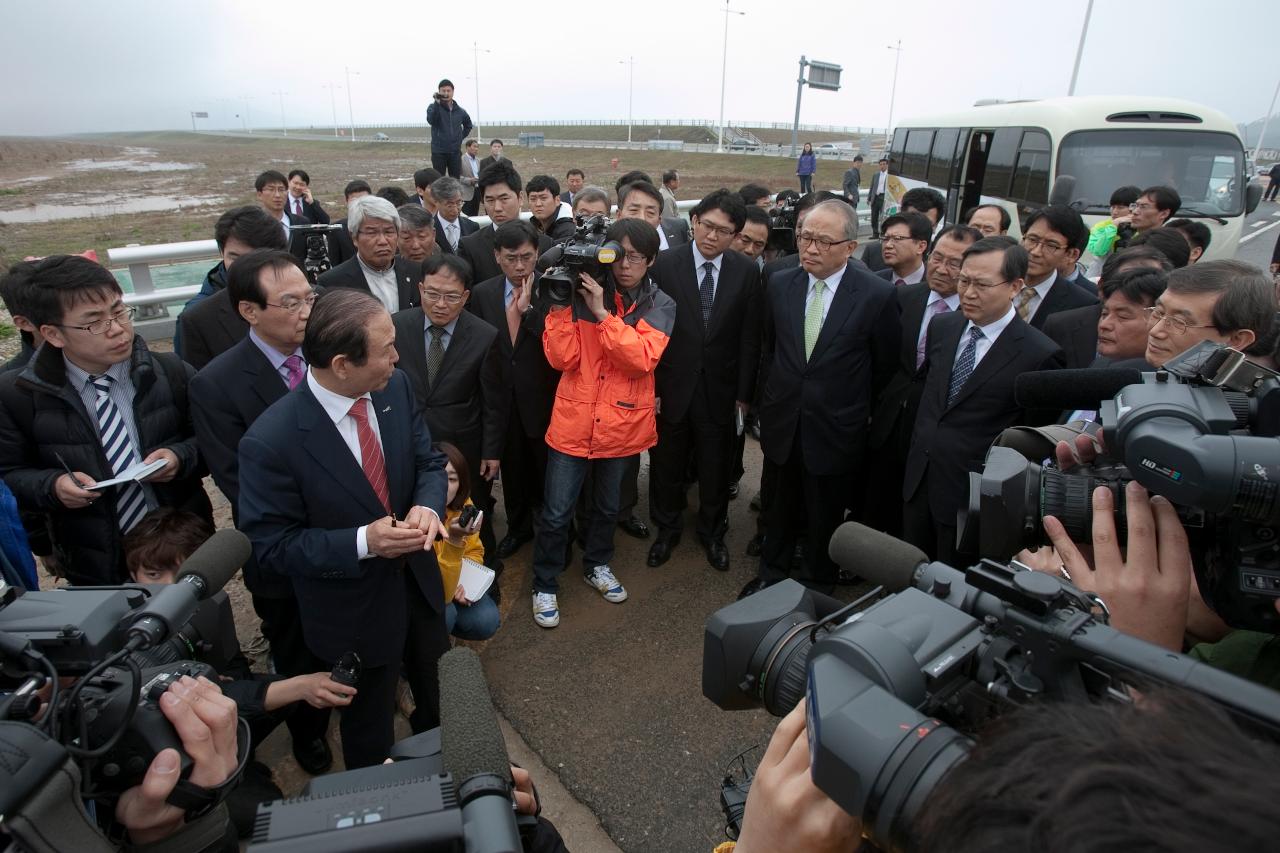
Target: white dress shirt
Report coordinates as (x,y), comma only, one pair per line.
(382,284)
(828,293)
(990,333)
(699,272)
(1042,290)
(452,230)
(338,408)
(914,277)
(285,223)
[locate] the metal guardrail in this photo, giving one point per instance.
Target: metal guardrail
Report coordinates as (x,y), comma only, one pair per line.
(639,122)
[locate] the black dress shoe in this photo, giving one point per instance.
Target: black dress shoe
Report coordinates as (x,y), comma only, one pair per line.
(718,556)
(313,756)
(754,546)
(511,543)
(660,552)
(733,490)
(634,527)
(753,587)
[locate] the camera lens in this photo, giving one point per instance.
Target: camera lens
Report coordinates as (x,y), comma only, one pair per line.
(1068,497)
(784,673)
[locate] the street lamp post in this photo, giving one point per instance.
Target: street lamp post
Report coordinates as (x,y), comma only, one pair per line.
(248,125)
(724,65)
(333,104)
(476,50)
(631,90)
(1084,32)
(1265,122)
(893,92)
(284,129)
(351,115)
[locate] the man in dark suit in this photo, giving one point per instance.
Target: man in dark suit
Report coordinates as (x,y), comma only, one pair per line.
(341,491)
(500,192)
(301,202)
(455,363)
(1075,331)
(340,246)
(529,382)
(210,326)
(641,200)
(274,298)
(895,412)
(376,268)
(1051,236)
(904,244)
(451,225)
(422,181)
(272,189)
(707,372)
(972,358)
(495,155)
(876,193)
(830,345)
(574,180)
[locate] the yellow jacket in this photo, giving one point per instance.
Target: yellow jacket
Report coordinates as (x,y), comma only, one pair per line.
(449,556)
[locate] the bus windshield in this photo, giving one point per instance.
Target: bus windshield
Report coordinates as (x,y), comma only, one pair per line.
(1205,167)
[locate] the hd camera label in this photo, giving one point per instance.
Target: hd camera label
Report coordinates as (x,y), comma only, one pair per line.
(1163,470)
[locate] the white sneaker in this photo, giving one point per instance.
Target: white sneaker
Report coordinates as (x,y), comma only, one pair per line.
(601,577)
(546,612)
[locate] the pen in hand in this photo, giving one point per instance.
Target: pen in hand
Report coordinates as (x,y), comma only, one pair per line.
(393,520)
(70,473)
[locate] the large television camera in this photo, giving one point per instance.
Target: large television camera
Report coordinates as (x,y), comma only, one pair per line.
(895,687)
(317,259)
(782,225)
(588,251)
(1202,432)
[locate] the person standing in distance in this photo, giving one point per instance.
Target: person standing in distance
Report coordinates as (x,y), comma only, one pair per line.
(806,165)
(450,125)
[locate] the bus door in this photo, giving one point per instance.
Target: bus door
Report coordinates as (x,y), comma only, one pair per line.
(975,169)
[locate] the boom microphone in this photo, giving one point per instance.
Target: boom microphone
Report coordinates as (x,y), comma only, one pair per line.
(476,756)
(876,556)
(202,574)
(1072,389)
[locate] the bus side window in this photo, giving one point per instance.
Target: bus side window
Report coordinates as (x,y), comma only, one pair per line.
(1000,160)
(1031,174)
(896,150)
(915,162)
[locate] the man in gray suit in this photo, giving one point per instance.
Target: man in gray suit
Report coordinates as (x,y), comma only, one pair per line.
(470,174)
(853,182)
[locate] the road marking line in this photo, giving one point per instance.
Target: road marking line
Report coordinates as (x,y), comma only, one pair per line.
(1248,237)
(1258,224)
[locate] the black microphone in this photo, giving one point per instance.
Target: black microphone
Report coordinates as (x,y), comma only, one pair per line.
(550,258)
(1072,389)
(474,752)
(201,575)
(876,556)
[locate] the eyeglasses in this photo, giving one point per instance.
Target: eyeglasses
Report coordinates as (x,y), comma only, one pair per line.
(1141,205)
(1031,243)
(952,264)
(123,317)
(524,258)
(293,306)
(963,282)
(275,189)
(446,298)
(1177,325)
(822,243)
(716,229)
(898,238)
(635,258)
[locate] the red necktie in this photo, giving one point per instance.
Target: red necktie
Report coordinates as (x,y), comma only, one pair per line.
(297,207)
(371,459)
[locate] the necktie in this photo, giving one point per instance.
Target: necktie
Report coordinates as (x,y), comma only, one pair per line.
(707,292)
(964,365)
(371,459)
(297,206)
(451,231)
(898,282)
(435,353)
(939,307)
(813,318)
(1024,303)
(131,500)
(296,369)
(513,314)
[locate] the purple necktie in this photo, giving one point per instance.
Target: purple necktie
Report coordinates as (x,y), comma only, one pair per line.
(294,367)
(939,307)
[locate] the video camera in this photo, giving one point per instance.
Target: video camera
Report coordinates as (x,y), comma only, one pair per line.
(896,688)
(1202,432)
(317,260)
(782,225)
(589,250)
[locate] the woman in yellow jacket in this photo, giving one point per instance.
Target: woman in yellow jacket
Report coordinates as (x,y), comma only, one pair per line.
(467,620)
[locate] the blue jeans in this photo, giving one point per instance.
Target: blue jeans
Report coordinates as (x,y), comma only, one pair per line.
(565,475)
(478,621)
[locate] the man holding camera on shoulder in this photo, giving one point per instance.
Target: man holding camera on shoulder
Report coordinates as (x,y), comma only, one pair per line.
(606,350)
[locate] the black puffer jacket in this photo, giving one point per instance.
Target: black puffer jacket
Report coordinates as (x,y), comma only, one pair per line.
(41,415)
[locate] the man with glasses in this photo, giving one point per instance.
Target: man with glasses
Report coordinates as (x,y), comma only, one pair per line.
(1052,237)
(1227,302)
(376,268)
(455,367)
(1154,208)
(501,193)
(904,240)
(707,376)
(830,346)
(451,225)
(992,220)
(754,236)
(273,192)
(270,292)
(972,357)
(93,403)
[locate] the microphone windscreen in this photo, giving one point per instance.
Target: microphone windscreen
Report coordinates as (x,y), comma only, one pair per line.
(876,556)
(550,258)
(217,560)
(470,740)
(1072,389)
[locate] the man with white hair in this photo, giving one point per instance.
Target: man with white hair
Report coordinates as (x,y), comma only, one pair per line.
(375,230)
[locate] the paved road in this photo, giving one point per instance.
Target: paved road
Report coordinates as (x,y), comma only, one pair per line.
(1261,230)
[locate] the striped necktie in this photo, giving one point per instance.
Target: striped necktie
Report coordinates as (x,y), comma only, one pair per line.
(965,365)
(372,462)
(131,500)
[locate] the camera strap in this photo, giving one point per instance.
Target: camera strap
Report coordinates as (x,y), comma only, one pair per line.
(197,800)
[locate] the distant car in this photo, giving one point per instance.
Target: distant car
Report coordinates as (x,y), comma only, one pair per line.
(743,145)
(381,137)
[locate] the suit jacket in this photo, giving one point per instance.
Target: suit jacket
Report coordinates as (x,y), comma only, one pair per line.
(209,328)
(873,257)
(528,377)
(485,162)
(477,250)
(297,240)
(566,197)
(677,231)
(349,274)
(341,247)
(1076,332)
(303,495)
(725,355)
(827,398)
(468,190)
(949,441)
(466,227)
(466,407)
(227,396)
(1062,296)
(310,209)
(896,407)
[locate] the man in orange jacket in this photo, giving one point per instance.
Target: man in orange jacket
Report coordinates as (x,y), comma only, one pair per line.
(604,409)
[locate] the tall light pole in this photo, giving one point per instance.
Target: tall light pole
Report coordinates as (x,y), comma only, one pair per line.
(893,92)
(333,104)
(476,50)
(631,90)
(1084,32)
(351,115)
(283,127)
(724,65)
(248,125)
(1266,121)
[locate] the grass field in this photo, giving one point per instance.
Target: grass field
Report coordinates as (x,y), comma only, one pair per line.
(54,171)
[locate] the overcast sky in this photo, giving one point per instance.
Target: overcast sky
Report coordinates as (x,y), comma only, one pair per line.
(146,64)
